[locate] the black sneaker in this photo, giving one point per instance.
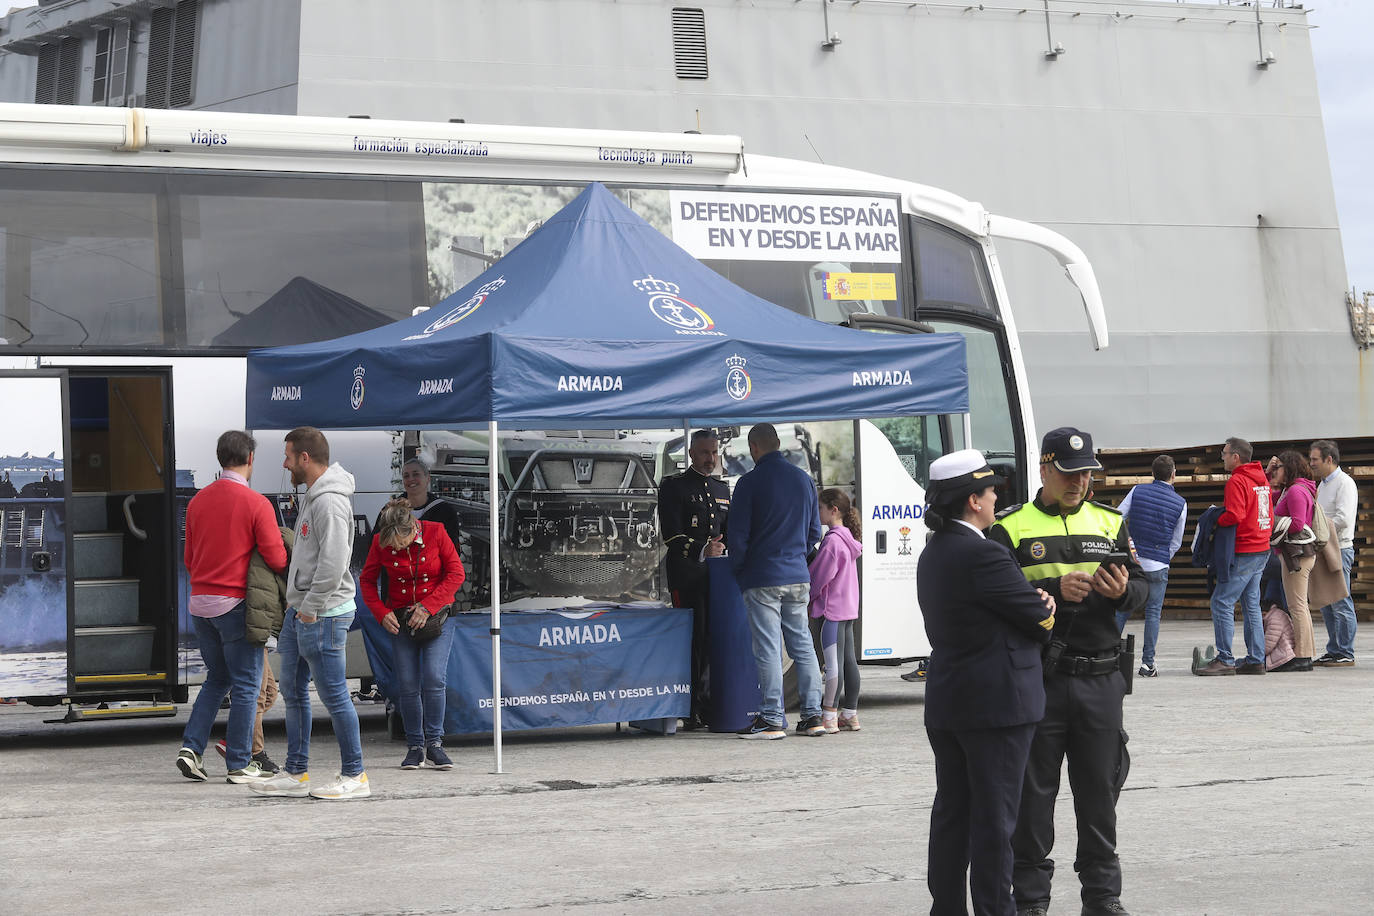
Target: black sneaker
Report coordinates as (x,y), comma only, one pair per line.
(265,763)
(415,758)
(1105,908)
(1147,671)
(811,727)
(437,758)
(763,730)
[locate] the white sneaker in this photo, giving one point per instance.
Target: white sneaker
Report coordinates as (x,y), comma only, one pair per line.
(283,785)
(344,787)
(249,774)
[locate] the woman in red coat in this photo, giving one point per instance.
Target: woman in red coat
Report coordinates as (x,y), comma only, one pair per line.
(423,574)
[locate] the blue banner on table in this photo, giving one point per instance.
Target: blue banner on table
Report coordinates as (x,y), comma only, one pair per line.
(560,669)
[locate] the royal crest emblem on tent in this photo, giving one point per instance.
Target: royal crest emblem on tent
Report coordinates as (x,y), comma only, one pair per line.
(355,397)
(737,381)
(671,309)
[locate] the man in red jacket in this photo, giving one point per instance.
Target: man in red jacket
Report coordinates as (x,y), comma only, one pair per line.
(1246,507)
(225,522)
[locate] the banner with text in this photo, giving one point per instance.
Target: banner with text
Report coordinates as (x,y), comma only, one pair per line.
(720,225)
(560,669)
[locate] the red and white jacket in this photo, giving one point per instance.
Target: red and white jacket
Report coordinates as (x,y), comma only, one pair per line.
(428,572)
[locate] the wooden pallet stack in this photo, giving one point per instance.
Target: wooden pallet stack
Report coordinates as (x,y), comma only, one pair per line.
(1201,479)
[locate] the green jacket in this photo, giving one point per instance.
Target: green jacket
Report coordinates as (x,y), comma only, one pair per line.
(266,595)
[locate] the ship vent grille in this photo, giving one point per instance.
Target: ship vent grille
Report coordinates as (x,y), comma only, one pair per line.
(689,43)
(171,56)
(59,67)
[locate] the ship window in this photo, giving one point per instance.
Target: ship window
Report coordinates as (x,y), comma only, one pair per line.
(110,79)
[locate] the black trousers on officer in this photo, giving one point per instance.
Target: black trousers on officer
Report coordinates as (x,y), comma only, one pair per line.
(698,598)
(978,777)
(1083,723)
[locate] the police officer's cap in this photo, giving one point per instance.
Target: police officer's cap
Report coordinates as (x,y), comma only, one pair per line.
(1069,449)
(958,474)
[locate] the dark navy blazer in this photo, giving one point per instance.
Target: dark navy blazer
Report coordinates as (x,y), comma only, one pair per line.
(984,623)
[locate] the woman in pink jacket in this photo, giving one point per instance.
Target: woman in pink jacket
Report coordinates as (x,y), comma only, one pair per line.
(1295,492)
(835,596)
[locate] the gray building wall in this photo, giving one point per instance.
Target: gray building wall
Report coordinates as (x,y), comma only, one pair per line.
(1197,183)
(245,55)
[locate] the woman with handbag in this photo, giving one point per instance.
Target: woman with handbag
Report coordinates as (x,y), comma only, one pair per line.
(1295,493)
(423,573)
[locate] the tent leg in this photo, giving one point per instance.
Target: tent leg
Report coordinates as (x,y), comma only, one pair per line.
(494,502)
(686,441)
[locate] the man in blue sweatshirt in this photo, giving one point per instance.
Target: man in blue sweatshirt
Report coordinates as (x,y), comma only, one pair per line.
(774,524)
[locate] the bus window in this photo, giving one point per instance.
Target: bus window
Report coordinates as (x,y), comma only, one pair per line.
(991,410)
(79,260)
(951,272)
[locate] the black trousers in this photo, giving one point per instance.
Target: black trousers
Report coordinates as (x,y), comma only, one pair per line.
(978,779)
(698,598)
(1082,723)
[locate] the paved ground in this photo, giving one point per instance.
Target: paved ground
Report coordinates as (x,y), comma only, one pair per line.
(1246,795)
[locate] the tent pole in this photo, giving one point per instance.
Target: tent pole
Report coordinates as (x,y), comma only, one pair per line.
(686,440)
(494,501)
(968,431)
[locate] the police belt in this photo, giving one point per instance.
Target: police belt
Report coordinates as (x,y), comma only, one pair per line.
(1086,666)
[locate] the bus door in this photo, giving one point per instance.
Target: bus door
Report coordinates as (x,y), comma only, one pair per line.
(116,519)
(35,536)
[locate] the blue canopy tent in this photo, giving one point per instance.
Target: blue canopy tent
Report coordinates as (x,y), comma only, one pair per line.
(597,320)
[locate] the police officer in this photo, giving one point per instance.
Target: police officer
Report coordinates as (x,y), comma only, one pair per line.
(1061,540)
(692,510)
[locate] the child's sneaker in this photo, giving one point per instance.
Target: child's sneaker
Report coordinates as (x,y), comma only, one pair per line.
(283,785)
(343,787)
(849,723)
(830,718)
(189,762)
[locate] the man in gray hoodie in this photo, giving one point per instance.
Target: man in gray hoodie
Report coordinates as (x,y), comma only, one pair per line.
(319,593)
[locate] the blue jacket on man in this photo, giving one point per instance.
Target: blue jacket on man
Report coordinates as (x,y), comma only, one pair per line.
(774,523)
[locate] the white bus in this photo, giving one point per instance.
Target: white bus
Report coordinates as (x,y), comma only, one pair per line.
(145,252)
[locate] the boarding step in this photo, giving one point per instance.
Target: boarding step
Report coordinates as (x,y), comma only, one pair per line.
(87,512)
(113,650)
(98,554)
(106,602)
(117,710)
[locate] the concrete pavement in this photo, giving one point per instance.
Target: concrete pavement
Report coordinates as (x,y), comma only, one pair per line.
(1246,795)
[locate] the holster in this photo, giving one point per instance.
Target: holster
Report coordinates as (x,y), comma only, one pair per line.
(1126,660)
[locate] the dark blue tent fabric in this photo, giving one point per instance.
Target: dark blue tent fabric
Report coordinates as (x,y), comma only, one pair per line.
(597,320)
(300,311)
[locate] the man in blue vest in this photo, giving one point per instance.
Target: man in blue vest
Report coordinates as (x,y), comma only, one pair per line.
(1156,514)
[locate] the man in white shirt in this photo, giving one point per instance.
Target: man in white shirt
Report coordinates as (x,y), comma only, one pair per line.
(1336,496)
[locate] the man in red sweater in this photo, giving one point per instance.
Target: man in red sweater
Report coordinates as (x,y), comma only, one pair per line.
(225,523)
(1246,508)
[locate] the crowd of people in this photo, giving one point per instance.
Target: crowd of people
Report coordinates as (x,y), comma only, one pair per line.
(253,583)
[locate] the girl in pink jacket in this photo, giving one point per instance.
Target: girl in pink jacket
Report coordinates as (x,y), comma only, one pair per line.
(835,596)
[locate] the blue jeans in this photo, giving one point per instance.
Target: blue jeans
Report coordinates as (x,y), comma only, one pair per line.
(421,684)
(1340,617)
(233,668)
(317,649)
(1243,584)
(1158,581)
(777,616)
